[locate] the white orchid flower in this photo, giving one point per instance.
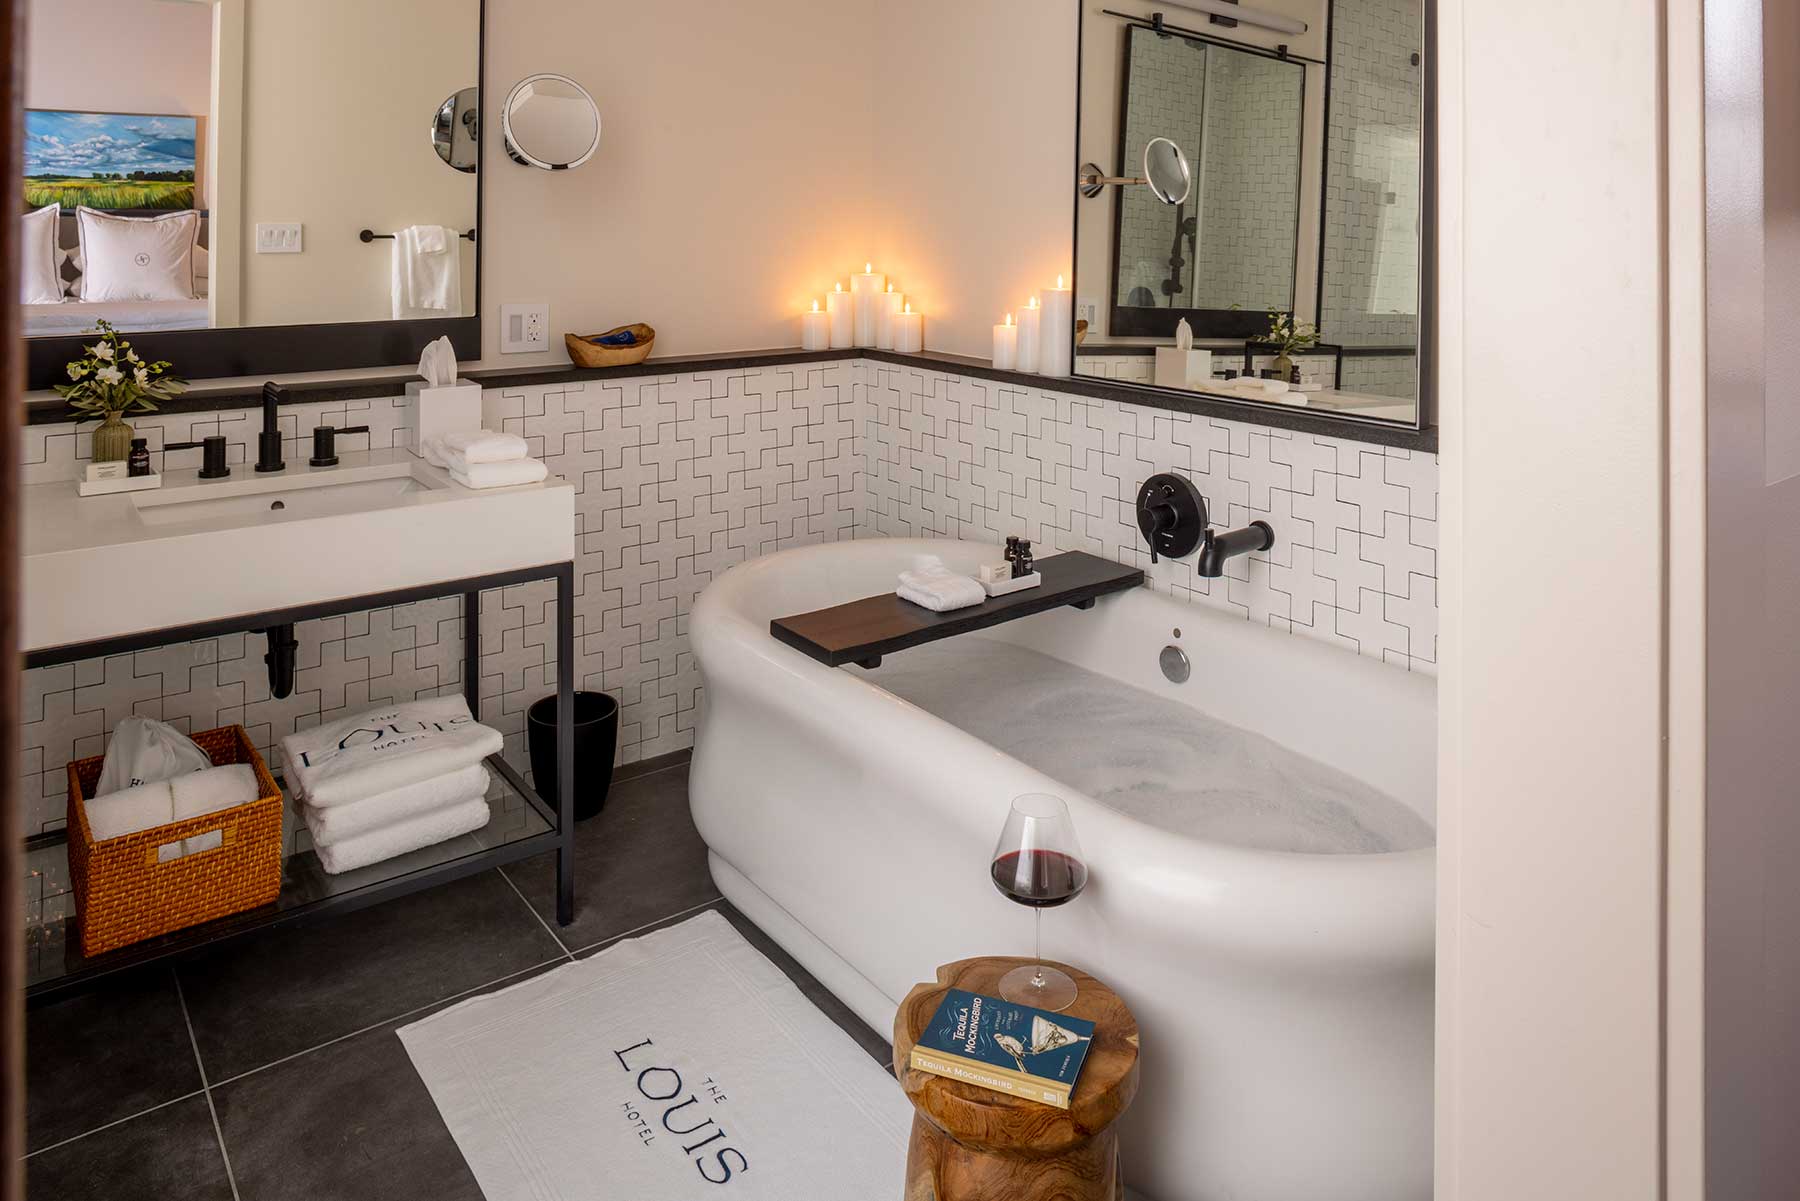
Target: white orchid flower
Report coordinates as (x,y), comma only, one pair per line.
(141,376)
(103,351)
(131,357)
(77,370)
(110,375)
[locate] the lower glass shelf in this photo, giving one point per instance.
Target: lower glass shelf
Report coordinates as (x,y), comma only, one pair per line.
(521,825)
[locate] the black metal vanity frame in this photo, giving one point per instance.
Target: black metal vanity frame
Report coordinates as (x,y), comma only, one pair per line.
(83,971)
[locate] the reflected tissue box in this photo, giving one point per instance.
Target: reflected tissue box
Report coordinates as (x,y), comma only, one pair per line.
(436,411)
(1179,368)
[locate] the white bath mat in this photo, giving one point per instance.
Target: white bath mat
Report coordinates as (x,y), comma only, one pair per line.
(678,1065)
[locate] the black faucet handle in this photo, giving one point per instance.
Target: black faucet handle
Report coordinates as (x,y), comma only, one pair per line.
(212,455)
(325,443)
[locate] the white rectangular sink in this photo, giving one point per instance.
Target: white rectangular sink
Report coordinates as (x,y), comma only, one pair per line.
(201,550)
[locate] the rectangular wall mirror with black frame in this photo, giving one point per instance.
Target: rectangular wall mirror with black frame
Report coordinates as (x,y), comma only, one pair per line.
(1252,211)
(253,185)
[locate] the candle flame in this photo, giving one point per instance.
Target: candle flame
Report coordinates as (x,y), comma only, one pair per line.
(868,268)
(838,287)
(815,306)
(890,286)
(1034,302)
(1059,283)
(909,306)
(1009,318)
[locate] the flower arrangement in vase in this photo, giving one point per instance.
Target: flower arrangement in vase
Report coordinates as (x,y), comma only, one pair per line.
(1288,339)
(112,382)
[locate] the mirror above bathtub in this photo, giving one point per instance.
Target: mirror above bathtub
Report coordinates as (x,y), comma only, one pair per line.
(211,166)
(1297,261)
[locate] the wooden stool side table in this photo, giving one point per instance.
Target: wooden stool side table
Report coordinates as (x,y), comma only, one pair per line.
(973,1144)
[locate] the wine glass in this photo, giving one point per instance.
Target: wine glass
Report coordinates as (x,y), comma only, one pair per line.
(1037,862)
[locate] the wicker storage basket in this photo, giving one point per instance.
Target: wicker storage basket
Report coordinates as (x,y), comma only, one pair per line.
(125,894)
(586,354)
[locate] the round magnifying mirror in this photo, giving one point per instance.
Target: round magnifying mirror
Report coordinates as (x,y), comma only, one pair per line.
(550,121)
(455,130)
(1166,171)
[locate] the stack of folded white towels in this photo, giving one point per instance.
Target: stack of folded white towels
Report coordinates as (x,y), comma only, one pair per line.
(390,780)
(484,459)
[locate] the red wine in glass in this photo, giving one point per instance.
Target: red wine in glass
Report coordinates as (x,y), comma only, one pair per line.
(1040,878)
(1038,863)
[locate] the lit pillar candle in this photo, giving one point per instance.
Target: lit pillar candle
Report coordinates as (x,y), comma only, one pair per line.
(1029,321)
(840,309)
(909,331)
(815,329)
(1006,346)
(1056,330)
(887,307)
(865,292)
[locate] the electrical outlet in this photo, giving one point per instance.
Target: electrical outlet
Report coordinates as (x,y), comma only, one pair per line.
(280,239)
(524,328)
(1087,309)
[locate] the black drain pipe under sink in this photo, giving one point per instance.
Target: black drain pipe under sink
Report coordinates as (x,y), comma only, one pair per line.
(282,653)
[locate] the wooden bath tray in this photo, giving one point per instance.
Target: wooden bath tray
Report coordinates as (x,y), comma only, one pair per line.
(862,631)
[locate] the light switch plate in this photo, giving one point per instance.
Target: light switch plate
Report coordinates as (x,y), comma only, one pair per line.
(524,328)
(279,238)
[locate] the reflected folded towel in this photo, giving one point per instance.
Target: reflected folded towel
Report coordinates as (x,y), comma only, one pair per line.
(341,822)
(937,588)
(214,789)
(385,748)
(500,475)
(385,842)
(484,446)
(130,809)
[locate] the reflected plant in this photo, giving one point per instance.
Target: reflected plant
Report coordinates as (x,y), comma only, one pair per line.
(1288,338)
(112,379)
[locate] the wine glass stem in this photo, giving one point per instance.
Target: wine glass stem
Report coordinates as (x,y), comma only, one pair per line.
(1037,947)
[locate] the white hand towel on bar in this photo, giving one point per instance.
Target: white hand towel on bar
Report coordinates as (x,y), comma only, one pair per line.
(506,475)
(386,748)
(214,789)
(129,810)
(937,588)
(427,283)
(385,842)
(340,822)
(484,446)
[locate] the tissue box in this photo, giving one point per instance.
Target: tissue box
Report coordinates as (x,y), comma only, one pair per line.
(436,412)
(1177,368)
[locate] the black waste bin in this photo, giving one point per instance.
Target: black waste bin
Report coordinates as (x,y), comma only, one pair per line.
(596,740)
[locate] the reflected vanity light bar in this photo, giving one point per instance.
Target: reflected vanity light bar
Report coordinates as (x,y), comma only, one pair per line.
(1249,16)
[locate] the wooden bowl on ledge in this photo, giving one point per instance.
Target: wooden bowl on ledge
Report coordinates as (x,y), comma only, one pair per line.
(586,352)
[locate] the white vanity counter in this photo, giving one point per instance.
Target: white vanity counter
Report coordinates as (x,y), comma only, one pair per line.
(202,550)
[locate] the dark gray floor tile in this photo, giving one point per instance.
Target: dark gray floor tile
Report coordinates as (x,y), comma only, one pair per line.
(287,990)
(351,1120)
(639,861)
(105,1055)
(168,1152)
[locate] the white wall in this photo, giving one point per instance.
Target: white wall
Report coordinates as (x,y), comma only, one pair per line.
(974,118)
(1552,672)
(733,178)
(119,56)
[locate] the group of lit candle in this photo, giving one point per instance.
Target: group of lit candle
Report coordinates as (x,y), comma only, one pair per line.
(871,314)
(1042,341)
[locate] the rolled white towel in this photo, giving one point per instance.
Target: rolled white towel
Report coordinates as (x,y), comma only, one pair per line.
(484,446)
(432,451)
(500,475)
(343,822)
(937,588)
(385,842)
(214,789)
(130,809)
(385,748)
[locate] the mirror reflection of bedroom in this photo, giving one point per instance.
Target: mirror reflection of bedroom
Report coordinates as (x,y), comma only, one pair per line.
(185,170)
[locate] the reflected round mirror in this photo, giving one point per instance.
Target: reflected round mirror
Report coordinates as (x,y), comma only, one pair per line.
(550,122)
(1166,171)
(455,130)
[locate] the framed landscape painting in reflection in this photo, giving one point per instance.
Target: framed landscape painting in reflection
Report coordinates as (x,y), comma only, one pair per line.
(113,161)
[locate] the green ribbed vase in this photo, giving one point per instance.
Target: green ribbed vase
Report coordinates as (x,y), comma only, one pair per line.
(112,440)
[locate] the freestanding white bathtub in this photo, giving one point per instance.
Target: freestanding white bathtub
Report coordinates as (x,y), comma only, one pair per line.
(1284,998)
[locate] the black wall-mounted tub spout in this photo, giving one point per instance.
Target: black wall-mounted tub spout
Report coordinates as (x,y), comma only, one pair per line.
(283,648)
(1217,548)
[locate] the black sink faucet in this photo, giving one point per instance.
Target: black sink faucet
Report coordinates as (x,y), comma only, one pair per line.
(268,443)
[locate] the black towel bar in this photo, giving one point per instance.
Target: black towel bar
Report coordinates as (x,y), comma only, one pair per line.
(369,235)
